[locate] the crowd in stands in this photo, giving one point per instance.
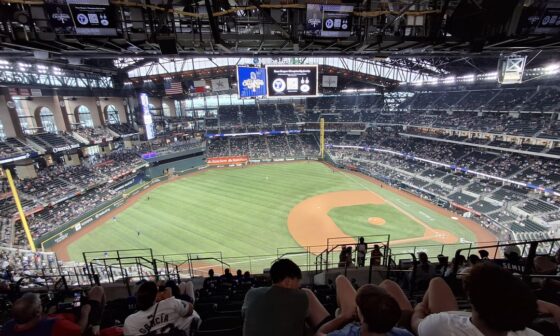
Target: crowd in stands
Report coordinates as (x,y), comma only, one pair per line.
(62,193)
(510,207)
(274,147)
(53,140)
(52,217)
(253,115)
(123,129)
(477,294)
(12,147)
(94,135)
(168,144)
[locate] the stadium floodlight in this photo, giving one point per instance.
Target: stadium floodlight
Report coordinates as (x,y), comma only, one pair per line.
(552,69)
(469,78)
(349,91)
(490,76)
(449,80)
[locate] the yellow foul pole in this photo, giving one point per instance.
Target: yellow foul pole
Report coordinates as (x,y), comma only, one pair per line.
(322,138)
(20,210)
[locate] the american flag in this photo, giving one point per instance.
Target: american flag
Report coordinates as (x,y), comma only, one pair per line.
(172,87)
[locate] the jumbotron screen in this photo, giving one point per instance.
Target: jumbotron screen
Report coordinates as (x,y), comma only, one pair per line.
(292,80)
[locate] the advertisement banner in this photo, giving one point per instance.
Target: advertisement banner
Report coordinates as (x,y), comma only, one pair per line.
(227,160)
(251,82)
(292,80)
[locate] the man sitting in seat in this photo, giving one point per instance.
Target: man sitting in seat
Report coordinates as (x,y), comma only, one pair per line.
(28,320)
(282,309)
(212,281)
(161,317)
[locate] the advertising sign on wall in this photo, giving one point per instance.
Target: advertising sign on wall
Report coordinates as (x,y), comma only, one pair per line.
(227,160)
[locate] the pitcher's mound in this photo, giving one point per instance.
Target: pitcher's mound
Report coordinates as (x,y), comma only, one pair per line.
(376,221)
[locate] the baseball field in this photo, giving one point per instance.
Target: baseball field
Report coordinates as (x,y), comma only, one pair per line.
(252,211)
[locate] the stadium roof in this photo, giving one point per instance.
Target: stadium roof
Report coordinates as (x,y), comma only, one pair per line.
(403,41)
(365,66)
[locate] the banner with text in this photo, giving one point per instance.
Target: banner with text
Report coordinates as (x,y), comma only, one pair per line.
(292,80)
(227,160)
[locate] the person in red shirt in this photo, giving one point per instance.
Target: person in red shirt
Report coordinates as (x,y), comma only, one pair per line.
(28,320)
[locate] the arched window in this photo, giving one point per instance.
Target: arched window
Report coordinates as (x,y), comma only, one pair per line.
(84,116)
(26,121)
(166,110)
(47,120)
(112,114)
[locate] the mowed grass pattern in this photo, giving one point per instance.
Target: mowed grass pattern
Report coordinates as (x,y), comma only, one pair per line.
(353,220)
(238,211)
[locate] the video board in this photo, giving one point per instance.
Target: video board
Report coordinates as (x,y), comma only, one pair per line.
(81,17)
(329,20)
(292,80)
(251,82)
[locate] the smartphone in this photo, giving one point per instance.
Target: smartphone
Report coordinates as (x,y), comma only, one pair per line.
(77,299)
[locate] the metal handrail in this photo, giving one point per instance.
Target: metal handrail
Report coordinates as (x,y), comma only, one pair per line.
(413,275)
(530,255)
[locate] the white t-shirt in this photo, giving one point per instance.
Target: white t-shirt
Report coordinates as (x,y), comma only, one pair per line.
(458,323)
(170,312)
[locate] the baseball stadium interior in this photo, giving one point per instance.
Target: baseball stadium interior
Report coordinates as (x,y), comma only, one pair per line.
(177,142)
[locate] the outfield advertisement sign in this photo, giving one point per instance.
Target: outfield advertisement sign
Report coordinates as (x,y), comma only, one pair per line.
(227,160)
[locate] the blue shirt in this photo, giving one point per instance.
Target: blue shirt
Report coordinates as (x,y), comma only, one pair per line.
(353,329)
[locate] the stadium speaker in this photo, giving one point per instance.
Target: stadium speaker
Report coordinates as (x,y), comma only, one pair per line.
(490,16)
(168,46)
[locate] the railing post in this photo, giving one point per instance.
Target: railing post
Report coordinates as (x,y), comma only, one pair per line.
(154,265)
(120,262)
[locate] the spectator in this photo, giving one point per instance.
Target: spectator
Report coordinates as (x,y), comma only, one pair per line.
(376,255)
(247,280)
(473,260)
(211,281)
(168,315)
(28,320)
(483,254)
(361,249)
(92,311)
(238,276)
(378,308)
(424,270)
(501,304)
(282,309)
(342,256)
(443,265)
(184,291)
(227,278)
(348,257)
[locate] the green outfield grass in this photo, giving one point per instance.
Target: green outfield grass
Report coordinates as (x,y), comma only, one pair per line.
(353,220)
(243,211)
